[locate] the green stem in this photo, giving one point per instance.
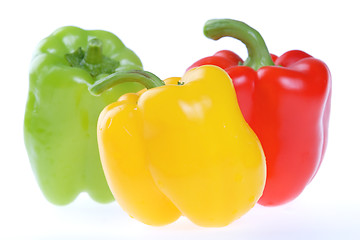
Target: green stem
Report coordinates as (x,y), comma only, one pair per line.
(92,60)
(258,54)
(93,54)
(145,78)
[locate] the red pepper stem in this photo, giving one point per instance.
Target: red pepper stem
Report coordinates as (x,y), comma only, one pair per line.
(258,54)
(145,78)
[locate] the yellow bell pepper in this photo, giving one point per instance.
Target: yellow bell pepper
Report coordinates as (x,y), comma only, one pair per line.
(178,149)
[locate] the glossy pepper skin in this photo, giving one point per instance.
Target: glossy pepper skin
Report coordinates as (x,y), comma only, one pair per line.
(61,115)
(286,103)
(181,149)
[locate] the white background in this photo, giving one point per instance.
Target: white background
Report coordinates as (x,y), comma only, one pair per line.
(167,36)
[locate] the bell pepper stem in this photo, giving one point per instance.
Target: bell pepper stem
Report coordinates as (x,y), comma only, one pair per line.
(93,54)
(145,78)
(92,60)
(258,54)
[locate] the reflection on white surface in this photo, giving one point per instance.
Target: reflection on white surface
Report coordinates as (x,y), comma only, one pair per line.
(305,218)
(107,222)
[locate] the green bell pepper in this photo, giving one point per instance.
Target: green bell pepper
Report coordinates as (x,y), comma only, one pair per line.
(61,114)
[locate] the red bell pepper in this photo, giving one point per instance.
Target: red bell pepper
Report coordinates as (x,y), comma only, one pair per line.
(285,100)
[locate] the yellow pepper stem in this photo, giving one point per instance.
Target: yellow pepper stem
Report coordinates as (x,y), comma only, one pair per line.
(145,78)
